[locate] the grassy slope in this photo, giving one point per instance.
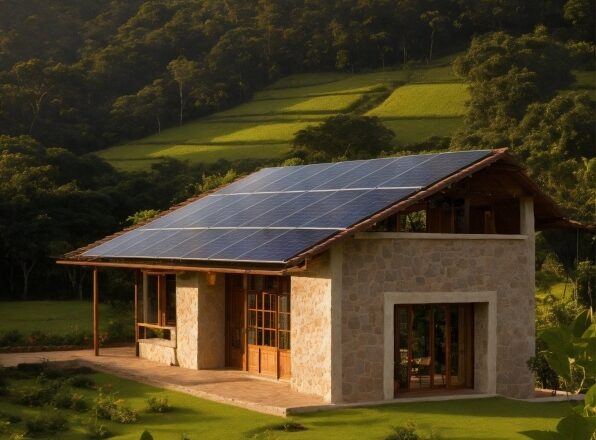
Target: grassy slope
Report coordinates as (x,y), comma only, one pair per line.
(494,418)
(416,104)
(53,317)
(263,127)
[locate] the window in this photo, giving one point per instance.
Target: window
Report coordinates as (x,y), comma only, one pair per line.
(268,313)
(159,300)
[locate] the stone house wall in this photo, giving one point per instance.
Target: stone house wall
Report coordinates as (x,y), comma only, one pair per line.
(373,265)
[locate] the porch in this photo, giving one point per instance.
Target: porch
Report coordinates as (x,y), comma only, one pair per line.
(231,387)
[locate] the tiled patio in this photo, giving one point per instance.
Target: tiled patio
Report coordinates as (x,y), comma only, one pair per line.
(226,386)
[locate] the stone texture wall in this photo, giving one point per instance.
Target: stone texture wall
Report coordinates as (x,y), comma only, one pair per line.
(200,321)
(157,351)
(373,266)
(311,329)
(187,321)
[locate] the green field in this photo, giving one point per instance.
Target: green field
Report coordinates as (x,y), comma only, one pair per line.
(55,317)
(493,418)
(416,103)
(447,100)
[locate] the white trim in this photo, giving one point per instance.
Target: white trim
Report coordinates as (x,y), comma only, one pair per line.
(232,228)
(436,236)
(298,191)
(392,298)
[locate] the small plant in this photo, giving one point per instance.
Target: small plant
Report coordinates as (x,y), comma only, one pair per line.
(108,408)
(408,432)
(97,431)
(289,427)
(158,405)
(78,403)
(45,424)
(62,399)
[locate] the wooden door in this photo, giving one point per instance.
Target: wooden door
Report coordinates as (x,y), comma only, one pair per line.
(235,328)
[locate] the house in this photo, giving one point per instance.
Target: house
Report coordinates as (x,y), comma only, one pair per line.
(355,281)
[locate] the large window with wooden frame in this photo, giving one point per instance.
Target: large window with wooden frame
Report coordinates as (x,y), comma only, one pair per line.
(433,347)
(156,306)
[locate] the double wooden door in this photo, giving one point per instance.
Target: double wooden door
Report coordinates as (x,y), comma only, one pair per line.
(258,324)
(433,347)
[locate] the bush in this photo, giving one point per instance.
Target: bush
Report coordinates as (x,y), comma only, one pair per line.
(45,424)
(146,435)
(36,396)
(78,403)
(408,432)
(81,381)
(108,408)
(119,330)
(97,431)
(62,399)
(158,405)
(11,338)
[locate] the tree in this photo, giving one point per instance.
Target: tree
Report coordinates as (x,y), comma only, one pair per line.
(345,137)
(148,104)
(436,22)
(186,75)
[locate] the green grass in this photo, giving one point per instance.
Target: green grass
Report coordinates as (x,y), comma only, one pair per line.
(494,418)
(559,290)
(424,100)
(54,317)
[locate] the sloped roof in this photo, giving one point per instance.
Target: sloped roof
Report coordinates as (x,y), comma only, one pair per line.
(282,215)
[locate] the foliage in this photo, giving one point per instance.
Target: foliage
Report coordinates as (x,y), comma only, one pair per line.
(209,183)
(158,405)
(109,408)
(141,216)
(44,424)
(81,381)
(343,137)
(408,432)
(146,435)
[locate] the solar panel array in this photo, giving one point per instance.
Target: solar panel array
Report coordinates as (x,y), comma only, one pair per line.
(276,213)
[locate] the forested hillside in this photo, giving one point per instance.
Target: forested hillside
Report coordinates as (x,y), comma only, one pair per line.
(79,77)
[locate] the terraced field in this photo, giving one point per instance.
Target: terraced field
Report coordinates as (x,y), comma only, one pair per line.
(416,104)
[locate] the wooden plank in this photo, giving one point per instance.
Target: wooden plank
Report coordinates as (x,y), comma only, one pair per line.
(95,313)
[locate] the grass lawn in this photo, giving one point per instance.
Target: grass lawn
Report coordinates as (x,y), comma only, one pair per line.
(494,418)
(54,317)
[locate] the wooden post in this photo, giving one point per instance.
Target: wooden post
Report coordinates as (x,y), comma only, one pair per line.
(95,313)
(136,290)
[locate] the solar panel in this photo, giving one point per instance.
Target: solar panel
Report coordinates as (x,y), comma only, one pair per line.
(276,213)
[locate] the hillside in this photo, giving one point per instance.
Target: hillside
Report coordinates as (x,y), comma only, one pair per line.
(416,104)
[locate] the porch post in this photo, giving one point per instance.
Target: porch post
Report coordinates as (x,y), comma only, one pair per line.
(136,290)
(95,313)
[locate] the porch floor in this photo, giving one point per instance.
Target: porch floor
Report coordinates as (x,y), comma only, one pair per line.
(227,386)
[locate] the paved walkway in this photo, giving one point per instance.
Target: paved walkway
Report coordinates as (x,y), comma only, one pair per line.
(226,386)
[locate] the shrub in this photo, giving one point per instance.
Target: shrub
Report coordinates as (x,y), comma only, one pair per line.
(38,396)
(78,403)
(408,432)
(11,338)
(97,431)
(289,427)
(108,408)
(81,381)
(158,405)
(10,418)
(45,424)
(62,399)
(146,435)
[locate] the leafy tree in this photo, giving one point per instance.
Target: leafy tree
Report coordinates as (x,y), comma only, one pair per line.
(146,105)
(343,136)
(186,74)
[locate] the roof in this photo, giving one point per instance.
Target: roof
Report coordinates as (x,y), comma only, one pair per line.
(281,216)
